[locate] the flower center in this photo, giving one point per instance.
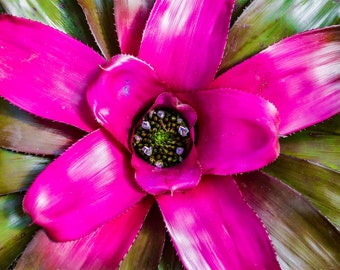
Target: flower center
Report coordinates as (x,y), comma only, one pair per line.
(162,138)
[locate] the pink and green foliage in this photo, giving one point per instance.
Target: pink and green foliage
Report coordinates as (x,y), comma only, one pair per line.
(98,192)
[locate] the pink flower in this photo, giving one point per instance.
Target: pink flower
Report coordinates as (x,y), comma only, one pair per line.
(205,130)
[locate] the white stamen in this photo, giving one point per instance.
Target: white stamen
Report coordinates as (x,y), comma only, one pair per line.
(161,114)
(159,164)
(146,125)
(137,138)
(180,159)
(179,150)
(179,120)
(183,131)
(147,150)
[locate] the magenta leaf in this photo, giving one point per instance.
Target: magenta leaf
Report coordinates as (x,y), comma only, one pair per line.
(124,89)
(88,185)
(213,228)
(300,75)
(65,16)
(131,17)
(51,74)
(184,40)
(237,133)
(102,249)
(183,176)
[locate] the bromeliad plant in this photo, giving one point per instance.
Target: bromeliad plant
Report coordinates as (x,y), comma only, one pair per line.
(163,127)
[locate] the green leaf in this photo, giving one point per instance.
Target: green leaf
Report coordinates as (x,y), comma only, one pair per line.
(320,184)
(319,144)
(265,22)
(238,9)
(15,229)
(147,249)
(99,14)
(23,132)
(170,260)
(302,237)
(18,170)
(1,9)
(66,16)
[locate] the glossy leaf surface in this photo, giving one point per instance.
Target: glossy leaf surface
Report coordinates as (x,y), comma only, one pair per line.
(238,133)
(57,93)
(146,250)
(103,249)
(300,75)
(211,219)
(15,229)
(319,144)
(320,184)
(131,17)
(23,132)
(94,183)
(187,34)
(265,22)
(60,14)
(128,86)
(18,170)
(99,14)
(302,237)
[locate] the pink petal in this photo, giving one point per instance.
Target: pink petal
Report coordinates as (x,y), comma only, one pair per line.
(237,131)
(91,183)
(46,72)
(102,249)
(300,75)
(184,40)
(213,228)
(168,100)
(126,88)
(131,17)
(185,175)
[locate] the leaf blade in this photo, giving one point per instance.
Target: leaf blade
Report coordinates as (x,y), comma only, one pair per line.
(18,170)
(99,15)
(320,184)
(265,22)
(302,237)
(15,229)
(63,15)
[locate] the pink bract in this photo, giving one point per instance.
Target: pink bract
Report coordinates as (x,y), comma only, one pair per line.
(234,121)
